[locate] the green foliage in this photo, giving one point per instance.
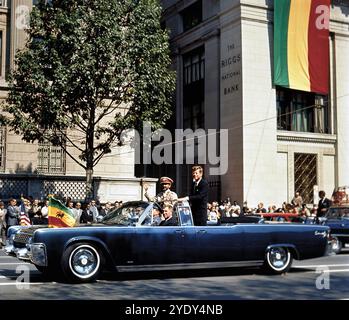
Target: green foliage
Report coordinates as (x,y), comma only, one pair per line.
(85,59)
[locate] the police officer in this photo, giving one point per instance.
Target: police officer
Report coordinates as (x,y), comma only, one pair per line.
(166,196)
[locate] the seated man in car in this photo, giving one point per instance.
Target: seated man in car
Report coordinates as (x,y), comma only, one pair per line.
(169,219)
(156,217)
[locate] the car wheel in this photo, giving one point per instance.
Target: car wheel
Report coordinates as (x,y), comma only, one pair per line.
(82,262)
(278,260)
(336,246)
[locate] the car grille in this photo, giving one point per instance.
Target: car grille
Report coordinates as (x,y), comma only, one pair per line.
(22,237)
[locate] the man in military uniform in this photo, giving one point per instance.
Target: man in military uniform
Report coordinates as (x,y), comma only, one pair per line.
(166,196)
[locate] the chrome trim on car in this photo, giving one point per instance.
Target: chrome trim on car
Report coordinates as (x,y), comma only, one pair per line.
(38,254)
(183,266)
(339,235)
(321,233)
(22,237)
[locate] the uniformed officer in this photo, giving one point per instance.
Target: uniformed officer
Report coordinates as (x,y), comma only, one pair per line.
(166,196)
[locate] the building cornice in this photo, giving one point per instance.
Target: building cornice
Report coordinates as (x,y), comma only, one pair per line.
(313,138)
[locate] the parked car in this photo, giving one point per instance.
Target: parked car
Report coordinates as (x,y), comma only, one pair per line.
(127,240)
(337,218)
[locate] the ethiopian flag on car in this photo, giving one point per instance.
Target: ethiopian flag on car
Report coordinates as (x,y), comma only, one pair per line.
(59,216)
(301,44)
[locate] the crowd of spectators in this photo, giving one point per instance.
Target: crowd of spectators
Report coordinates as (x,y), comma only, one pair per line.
(35,211)
(226,208)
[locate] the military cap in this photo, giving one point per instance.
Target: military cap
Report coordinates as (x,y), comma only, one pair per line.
(166,180)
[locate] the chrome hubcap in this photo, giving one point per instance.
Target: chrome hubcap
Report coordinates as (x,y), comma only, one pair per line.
(278,257)
(84,262)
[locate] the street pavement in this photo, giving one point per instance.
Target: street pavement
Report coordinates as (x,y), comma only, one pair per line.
(325,278)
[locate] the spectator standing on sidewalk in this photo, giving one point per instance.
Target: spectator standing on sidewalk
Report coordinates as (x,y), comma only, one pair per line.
(235,208)
(2,224)
(94,210)
(35,212)
(77,213)
(297,200)
(304,211)
(12,214)
(260,208)
(87,215)
(246,209)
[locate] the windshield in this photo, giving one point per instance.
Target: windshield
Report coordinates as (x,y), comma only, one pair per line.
(338,213)
(126,215)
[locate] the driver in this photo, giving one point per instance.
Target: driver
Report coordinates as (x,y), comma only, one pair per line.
(169,219)
(166,196)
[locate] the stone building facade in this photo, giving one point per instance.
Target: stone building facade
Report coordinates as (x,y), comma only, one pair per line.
(39,169)
(280,141)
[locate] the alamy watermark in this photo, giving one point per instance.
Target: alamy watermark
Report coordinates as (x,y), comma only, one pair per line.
(23,280)
(323,280)
(182,146)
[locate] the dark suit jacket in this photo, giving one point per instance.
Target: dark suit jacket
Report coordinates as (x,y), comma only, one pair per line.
(323,205)
(170,222)
(12,216)
(199,199)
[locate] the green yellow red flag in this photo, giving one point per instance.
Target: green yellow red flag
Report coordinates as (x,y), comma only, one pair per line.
(59,216)
(301,44)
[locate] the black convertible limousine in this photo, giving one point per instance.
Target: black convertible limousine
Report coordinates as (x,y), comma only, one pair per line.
(128,240)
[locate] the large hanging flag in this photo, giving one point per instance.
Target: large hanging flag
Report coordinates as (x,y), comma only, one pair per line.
(59,216)
(301,44)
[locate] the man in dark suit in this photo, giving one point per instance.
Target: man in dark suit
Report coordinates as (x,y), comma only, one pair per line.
(13,213)
(198,197)
(169,219)
(323,205)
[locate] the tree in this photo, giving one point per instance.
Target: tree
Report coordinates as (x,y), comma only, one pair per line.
(83,61)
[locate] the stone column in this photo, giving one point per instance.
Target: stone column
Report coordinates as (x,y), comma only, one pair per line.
(231,110)
(342,107)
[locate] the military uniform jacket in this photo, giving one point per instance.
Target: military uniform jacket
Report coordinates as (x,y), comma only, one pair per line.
(164,198)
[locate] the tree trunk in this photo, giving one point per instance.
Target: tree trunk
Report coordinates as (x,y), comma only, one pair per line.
(90,153)
(89,184)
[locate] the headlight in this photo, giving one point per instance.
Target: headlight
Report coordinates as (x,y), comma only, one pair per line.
(38,254)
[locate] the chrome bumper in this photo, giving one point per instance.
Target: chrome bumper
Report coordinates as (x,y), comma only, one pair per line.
(10,250)
(22,253)
(19,253)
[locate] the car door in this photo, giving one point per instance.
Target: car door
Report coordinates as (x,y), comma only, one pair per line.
(219,243)
(158,245)
(335,220)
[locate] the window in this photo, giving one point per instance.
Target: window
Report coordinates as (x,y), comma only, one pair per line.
(51,159)
(305,177)
(302,111)
(194,66)
(2,148)
(192,15)
(194,89)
